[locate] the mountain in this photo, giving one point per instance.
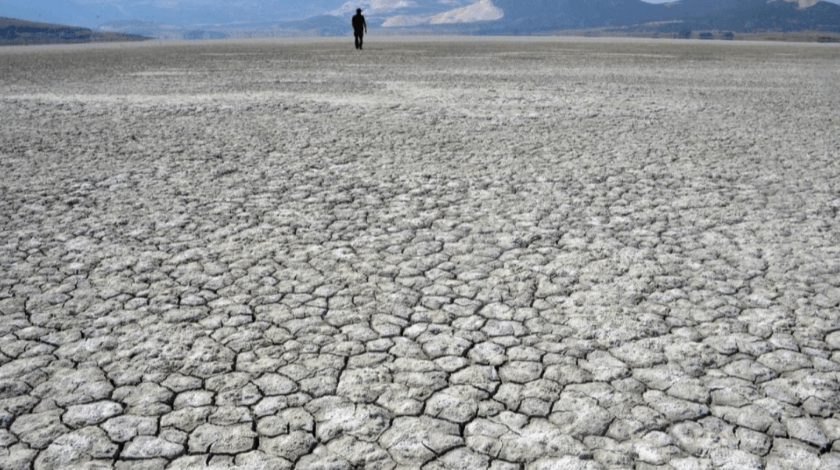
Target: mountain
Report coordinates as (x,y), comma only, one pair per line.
(163,31)
(322,25)
(17,32)
(749,15)
(218,19)
(540,16)
(170,19)
(144,28)
(525,17)
(528,17)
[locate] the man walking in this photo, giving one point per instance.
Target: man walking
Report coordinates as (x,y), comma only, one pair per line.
(359,27)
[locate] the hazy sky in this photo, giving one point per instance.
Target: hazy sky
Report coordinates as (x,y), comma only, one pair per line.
(92,13)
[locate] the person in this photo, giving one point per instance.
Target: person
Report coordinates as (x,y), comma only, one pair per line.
(359,27)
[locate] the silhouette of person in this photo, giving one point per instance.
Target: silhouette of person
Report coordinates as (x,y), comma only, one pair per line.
(359,27)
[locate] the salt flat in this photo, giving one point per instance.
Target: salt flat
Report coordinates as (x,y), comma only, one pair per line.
(435,253)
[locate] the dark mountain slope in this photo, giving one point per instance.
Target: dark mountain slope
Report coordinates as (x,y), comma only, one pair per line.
(535,16)
(15,32)
(752,15)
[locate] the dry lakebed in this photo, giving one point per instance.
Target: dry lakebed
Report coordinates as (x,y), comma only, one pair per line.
(436,253)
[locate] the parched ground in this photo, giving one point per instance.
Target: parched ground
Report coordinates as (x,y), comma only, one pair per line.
(434,253)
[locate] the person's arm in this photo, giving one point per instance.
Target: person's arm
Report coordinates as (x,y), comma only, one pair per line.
(365,23)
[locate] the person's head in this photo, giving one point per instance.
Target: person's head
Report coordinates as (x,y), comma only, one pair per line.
(358,10)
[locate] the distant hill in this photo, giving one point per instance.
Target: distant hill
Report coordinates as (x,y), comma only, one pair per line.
(143,28)
(18,32)
(323,25)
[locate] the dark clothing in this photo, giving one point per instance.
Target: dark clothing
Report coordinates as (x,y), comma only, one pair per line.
(359,29)
(359,25)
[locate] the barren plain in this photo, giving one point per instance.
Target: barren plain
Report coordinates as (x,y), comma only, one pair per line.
(434,253)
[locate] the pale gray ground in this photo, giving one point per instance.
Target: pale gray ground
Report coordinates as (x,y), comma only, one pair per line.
(506,254)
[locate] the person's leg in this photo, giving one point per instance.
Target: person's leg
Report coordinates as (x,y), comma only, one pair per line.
(361,38)
(356,38)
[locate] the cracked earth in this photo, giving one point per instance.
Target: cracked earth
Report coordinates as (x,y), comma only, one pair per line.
(477,254)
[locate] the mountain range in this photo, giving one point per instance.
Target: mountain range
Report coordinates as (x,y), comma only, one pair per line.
(508,17)
(18,32)
(528,17)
